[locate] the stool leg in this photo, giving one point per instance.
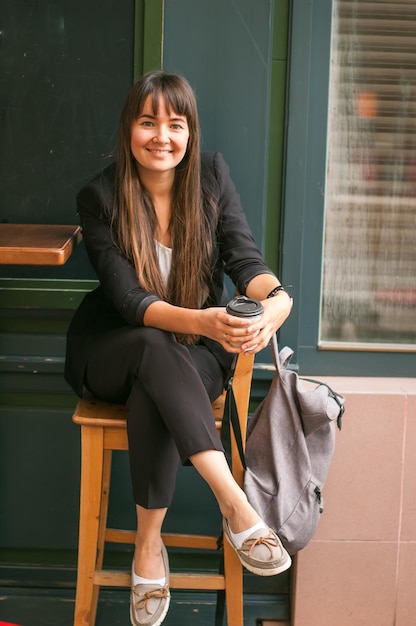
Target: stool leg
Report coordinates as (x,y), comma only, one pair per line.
(102,527)
(105,496)
(233,586)
(92,458)
(232,567)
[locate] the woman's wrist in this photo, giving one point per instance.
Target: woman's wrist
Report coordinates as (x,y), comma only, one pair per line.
(279,291)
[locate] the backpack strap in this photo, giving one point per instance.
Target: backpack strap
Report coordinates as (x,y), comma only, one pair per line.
(281,359)
(220,604)
(230,420)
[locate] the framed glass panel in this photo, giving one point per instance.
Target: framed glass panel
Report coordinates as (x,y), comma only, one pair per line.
(369,255)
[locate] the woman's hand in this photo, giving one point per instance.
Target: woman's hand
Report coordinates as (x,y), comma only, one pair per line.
(238,334)
(231,332)
(276,311)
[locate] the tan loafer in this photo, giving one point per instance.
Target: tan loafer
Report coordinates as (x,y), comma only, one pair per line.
(261,553)
(149,604)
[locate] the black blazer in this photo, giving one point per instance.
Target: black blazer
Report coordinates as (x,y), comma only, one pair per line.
(119,299)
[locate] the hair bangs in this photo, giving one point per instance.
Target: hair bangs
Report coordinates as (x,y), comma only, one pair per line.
(175,94)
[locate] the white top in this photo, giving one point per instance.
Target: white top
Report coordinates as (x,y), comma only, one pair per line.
(164,256)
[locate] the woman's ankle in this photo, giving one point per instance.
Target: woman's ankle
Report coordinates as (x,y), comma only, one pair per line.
(241,516)
(148,561)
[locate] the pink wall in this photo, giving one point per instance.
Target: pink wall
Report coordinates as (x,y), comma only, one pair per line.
(360,568)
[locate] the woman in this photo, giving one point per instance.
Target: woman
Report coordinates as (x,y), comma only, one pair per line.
(161,226)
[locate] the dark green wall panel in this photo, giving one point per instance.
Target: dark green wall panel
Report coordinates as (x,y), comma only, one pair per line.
(224,48)
(39,467)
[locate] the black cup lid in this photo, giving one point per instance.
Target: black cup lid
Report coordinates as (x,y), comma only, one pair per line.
(241,306)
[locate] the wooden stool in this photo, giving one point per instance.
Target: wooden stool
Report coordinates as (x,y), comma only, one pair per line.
(103,429)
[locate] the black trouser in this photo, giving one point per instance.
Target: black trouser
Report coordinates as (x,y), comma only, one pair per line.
(168,389)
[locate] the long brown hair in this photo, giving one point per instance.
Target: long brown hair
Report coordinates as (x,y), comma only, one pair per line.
(135,215)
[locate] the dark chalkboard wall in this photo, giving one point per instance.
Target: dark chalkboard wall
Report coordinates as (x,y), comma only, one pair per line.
(65,69)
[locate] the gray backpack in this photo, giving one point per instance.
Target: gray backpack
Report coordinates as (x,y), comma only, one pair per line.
(289,448)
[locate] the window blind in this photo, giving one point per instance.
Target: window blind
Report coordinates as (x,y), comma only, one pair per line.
(369,261)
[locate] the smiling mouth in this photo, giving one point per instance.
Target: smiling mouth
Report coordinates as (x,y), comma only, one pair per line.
(156,151)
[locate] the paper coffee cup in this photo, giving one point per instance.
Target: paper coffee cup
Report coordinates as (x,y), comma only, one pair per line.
(242,306)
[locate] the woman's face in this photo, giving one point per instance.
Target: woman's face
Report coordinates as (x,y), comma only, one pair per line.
(159,142)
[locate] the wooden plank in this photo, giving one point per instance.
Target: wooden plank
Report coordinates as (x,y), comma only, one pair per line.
(117,578)
(199,542)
